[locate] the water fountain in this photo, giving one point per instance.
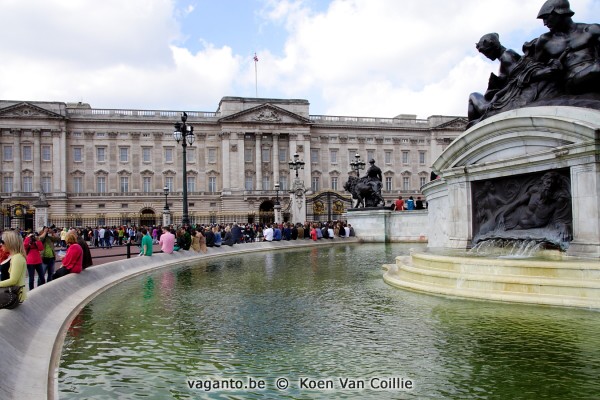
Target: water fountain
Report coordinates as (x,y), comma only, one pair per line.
(526,170)
(524,178)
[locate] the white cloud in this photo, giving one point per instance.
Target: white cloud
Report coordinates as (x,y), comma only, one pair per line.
(358,57)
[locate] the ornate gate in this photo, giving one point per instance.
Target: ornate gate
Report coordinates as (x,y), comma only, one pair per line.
(327,206)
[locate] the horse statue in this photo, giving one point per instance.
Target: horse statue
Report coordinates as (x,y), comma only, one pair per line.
(367,192)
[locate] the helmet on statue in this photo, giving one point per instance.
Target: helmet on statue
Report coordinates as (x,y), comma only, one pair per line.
(556,6)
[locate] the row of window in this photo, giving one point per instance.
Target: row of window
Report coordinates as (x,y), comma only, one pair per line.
(101,154)
(148,184)
(26,153)
(388,156)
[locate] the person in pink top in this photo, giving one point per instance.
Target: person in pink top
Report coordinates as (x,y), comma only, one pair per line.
(73,260)
(33,246)
(167,241)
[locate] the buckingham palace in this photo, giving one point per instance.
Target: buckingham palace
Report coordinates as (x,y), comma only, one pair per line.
(85,166)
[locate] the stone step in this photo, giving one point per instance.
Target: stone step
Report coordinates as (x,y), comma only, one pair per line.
(563,283)
(559,269)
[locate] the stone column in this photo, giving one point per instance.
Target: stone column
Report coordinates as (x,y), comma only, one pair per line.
(56,163)
(63,161)
(306,157)
(37,161)
(240,173)
(17,167)
(585,184)
(258,161)
(225,151)
(275,158)
(293,140)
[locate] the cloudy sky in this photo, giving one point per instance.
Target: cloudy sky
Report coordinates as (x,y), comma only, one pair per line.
(376,58)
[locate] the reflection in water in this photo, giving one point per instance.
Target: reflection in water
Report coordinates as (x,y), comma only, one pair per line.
(321,314)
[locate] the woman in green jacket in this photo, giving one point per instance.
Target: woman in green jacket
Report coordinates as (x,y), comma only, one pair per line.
(13,243)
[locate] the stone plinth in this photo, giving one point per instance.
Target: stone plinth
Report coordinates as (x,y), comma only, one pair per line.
(519,142)
(385,225)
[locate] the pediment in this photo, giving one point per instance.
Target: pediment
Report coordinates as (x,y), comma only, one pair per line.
(29,111)
(266,114)
(455,124)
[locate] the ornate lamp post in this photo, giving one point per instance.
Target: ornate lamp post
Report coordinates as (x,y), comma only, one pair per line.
(184,133)
(357,165)
(297,198)
(296,164)
(166,192)
(277,205)
(166,211)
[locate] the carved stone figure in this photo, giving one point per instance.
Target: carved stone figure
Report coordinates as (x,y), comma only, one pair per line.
(524,207)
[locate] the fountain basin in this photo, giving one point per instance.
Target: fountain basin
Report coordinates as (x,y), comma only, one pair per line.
(568,283)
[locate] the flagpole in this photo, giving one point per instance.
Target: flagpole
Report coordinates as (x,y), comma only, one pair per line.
(256,74)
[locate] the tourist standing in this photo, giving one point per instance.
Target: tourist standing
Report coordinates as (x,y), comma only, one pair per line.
(33,247)
(48,253)
(146,243)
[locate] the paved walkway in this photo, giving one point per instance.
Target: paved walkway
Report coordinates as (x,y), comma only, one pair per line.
(115,253)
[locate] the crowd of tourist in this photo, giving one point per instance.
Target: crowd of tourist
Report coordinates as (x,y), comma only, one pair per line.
(25,254)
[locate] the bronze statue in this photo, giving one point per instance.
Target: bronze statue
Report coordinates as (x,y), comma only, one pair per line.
(561,67)
(367,189)
(489,45)
(577,45)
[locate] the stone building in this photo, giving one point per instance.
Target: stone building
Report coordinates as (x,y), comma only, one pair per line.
(109,166)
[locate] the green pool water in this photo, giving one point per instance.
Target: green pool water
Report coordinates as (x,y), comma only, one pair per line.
(277,325)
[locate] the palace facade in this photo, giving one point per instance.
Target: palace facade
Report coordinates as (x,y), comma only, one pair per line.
(109,166)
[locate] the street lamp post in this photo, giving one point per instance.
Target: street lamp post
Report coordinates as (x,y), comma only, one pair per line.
(296,164)
(357,165)
(277,194)
(277,205)
(166,211)
(184,133)
(297,198)
(166,191)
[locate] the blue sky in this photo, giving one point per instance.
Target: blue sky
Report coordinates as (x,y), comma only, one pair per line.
(376,58)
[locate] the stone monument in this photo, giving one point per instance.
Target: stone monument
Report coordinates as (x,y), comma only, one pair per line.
(525,172)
